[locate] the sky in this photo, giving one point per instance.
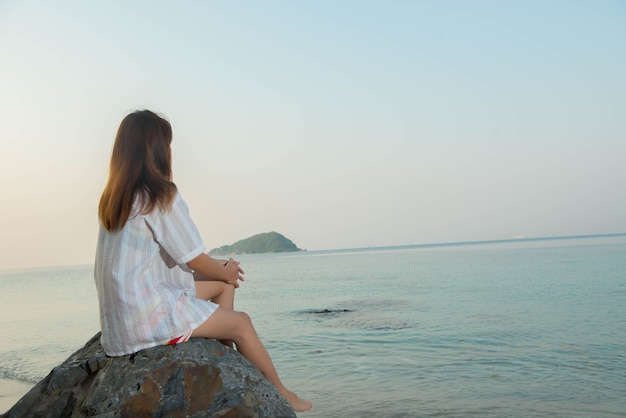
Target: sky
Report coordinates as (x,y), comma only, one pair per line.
(339,124)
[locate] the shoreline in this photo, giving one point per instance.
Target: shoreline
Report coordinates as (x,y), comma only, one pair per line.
(11,391)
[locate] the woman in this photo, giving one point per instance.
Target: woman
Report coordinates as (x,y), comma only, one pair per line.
(155,283)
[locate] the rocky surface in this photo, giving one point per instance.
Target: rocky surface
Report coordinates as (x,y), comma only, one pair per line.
(200,378)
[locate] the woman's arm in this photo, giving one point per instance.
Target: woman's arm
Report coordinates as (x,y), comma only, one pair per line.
(207,268)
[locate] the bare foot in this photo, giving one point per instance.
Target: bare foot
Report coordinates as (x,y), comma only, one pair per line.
(297,403)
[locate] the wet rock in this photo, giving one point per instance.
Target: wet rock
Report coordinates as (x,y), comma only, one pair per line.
(200,378)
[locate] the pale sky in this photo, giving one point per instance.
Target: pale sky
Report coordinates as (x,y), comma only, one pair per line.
(339,124)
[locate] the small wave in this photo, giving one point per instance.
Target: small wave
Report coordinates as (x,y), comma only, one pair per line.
(19,377)
(390,304)
(26,364)
(375,323)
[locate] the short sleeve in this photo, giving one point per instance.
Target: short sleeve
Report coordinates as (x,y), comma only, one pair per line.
(176,233)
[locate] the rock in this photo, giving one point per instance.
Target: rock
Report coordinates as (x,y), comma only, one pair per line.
(200,378)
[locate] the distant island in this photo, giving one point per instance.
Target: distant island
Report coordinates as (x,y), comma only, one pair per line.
(267,242)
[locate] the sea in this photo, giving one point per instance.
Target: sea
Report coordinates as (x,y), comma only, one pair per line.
(516,328)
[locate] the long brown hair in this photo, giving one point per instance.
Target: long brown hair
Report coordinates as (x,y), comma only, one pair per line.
(141,168)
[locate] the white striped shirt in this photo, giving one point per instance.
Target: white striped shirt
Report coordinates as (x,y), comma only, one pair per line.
(145,289)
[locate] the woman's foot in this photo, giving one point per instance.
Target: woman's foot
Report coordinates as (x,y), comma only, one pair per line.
(297,403)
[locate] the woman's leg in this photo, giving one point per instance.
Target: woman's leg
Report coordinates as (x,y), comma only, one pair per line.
(226,324)
(217,292)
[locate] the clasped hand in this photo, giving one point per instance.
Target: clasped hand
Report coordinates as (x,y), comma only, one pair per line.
(234,273)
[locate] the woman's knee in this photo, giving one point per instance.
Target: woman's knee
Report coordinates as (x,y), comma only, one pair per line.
(225,288)
(245,319)
(244,324)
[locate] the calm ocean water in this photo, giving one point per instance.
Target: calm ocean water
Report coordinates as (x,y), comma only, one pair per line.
(523,329)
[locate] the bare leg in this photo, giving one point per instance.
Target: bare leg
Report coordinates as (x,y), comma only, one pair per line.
(218,292)
(237,326)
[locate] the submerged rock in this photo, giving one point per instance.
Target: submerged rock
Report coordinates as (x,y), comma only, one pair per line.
(200,378)
(325,311)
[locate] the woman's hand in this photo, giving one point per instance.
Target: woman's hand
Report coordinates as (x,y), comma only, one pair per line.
(234,273)
(210,269)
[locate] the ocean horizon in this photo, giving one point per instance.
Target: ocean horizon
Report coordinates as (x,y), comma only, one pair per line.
(513,240)
(525,327)
(481,242)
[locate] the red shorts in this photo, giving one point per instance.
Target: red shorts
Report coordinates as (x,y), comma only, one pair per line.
(180,340)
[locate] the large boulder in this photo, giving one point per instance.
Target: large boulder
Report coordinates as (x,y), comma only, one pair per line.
(200,378)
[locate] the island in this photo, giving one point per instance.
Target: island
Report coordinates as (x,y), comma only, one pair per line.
(267,242)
